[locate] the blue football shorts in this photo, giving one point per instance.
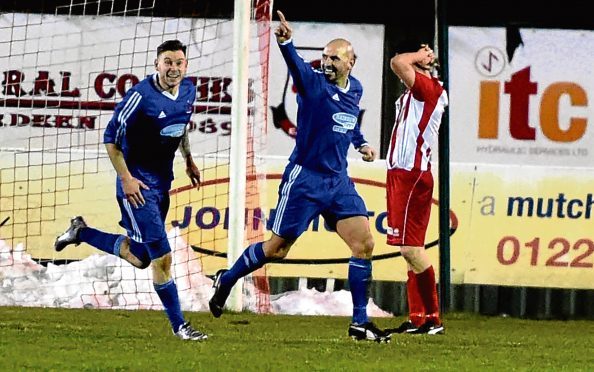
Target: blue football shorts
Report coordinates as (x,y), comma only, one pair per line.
(305,194)
(146,224)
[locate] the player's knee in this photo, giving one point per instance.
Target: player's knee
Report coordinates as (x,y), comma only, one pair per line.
(163,263)
(368,244)
(410,254)
(137,254)
(277,248)
(363,247)
(137,262)
(144,264)
(162,268)
(408,257)
(279,255)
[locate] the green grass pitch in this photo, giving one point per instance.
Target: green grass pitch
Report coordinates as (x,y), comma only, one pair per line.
(38,339)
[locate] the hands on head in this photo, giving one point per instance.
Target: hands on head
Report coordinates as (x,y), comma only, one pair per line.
(284,31)
(429,59)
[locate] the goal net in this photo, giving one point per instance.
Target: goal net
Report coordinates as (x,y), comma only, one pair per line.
(62,75)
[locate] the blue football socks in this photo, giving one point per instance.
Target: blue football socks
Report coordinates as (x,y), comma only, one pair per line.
(106,242)
(168,294)
(251,259)
(359,278)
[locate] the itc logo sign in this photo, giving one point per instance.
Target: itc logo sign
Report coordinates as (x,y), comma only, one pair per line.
(555,97)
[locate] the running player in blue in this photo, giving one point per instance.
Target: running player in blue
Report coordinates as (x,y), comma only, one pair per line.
(315,181)
(147,127)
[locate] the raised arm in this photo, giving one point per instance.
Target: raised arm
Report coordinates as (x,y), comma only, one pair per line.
(404,64)
(284,31)
(302,73)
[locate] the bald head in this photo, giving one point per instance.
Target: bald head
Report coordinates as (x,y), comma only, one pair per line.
(338,59)
(343,47)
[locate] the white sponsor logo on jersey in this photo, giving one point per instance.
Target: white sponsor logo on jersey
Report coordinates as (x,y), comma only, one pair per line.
(174,130)
(347,121)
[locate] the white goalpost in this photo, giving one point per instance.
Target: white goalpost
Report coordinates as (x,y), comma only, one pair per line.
(62,75)
(237,171)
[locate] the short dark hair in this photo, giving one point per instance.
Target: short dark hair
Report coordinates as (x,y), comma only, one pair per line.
(171,45)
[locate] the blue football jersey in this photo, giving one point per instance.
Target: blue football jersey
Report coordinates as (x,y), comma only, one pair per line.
(327,116)
(148,125)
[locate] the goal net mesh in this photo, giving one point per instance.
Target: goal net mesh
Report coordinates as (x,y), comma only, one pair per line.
(62,75)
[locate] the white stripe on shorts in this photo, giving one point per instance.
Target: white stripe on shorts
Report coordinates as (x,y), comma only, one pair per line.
(137,236)
(285,197)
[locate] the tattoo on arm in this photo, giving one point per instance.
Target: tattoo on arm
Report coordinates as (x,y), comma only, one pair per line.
(184,146)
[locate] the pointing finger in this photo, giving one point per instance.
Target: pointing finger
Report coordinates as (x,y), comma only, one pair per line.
(281,16)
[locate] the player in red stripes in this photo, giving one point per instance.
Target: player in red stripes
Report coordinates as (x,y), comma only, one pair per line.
(410,182)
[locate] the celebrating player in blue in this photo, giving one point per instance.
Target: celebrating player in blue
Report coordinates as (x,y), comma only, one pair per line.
(315,181)
(141,139)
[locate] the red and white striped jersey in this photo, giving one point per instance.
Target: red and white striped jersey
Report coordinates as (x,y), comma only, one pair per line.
(418,116)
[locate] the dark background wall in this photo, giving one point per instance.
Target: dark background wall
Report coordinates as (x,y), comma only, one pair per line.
(554,14)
